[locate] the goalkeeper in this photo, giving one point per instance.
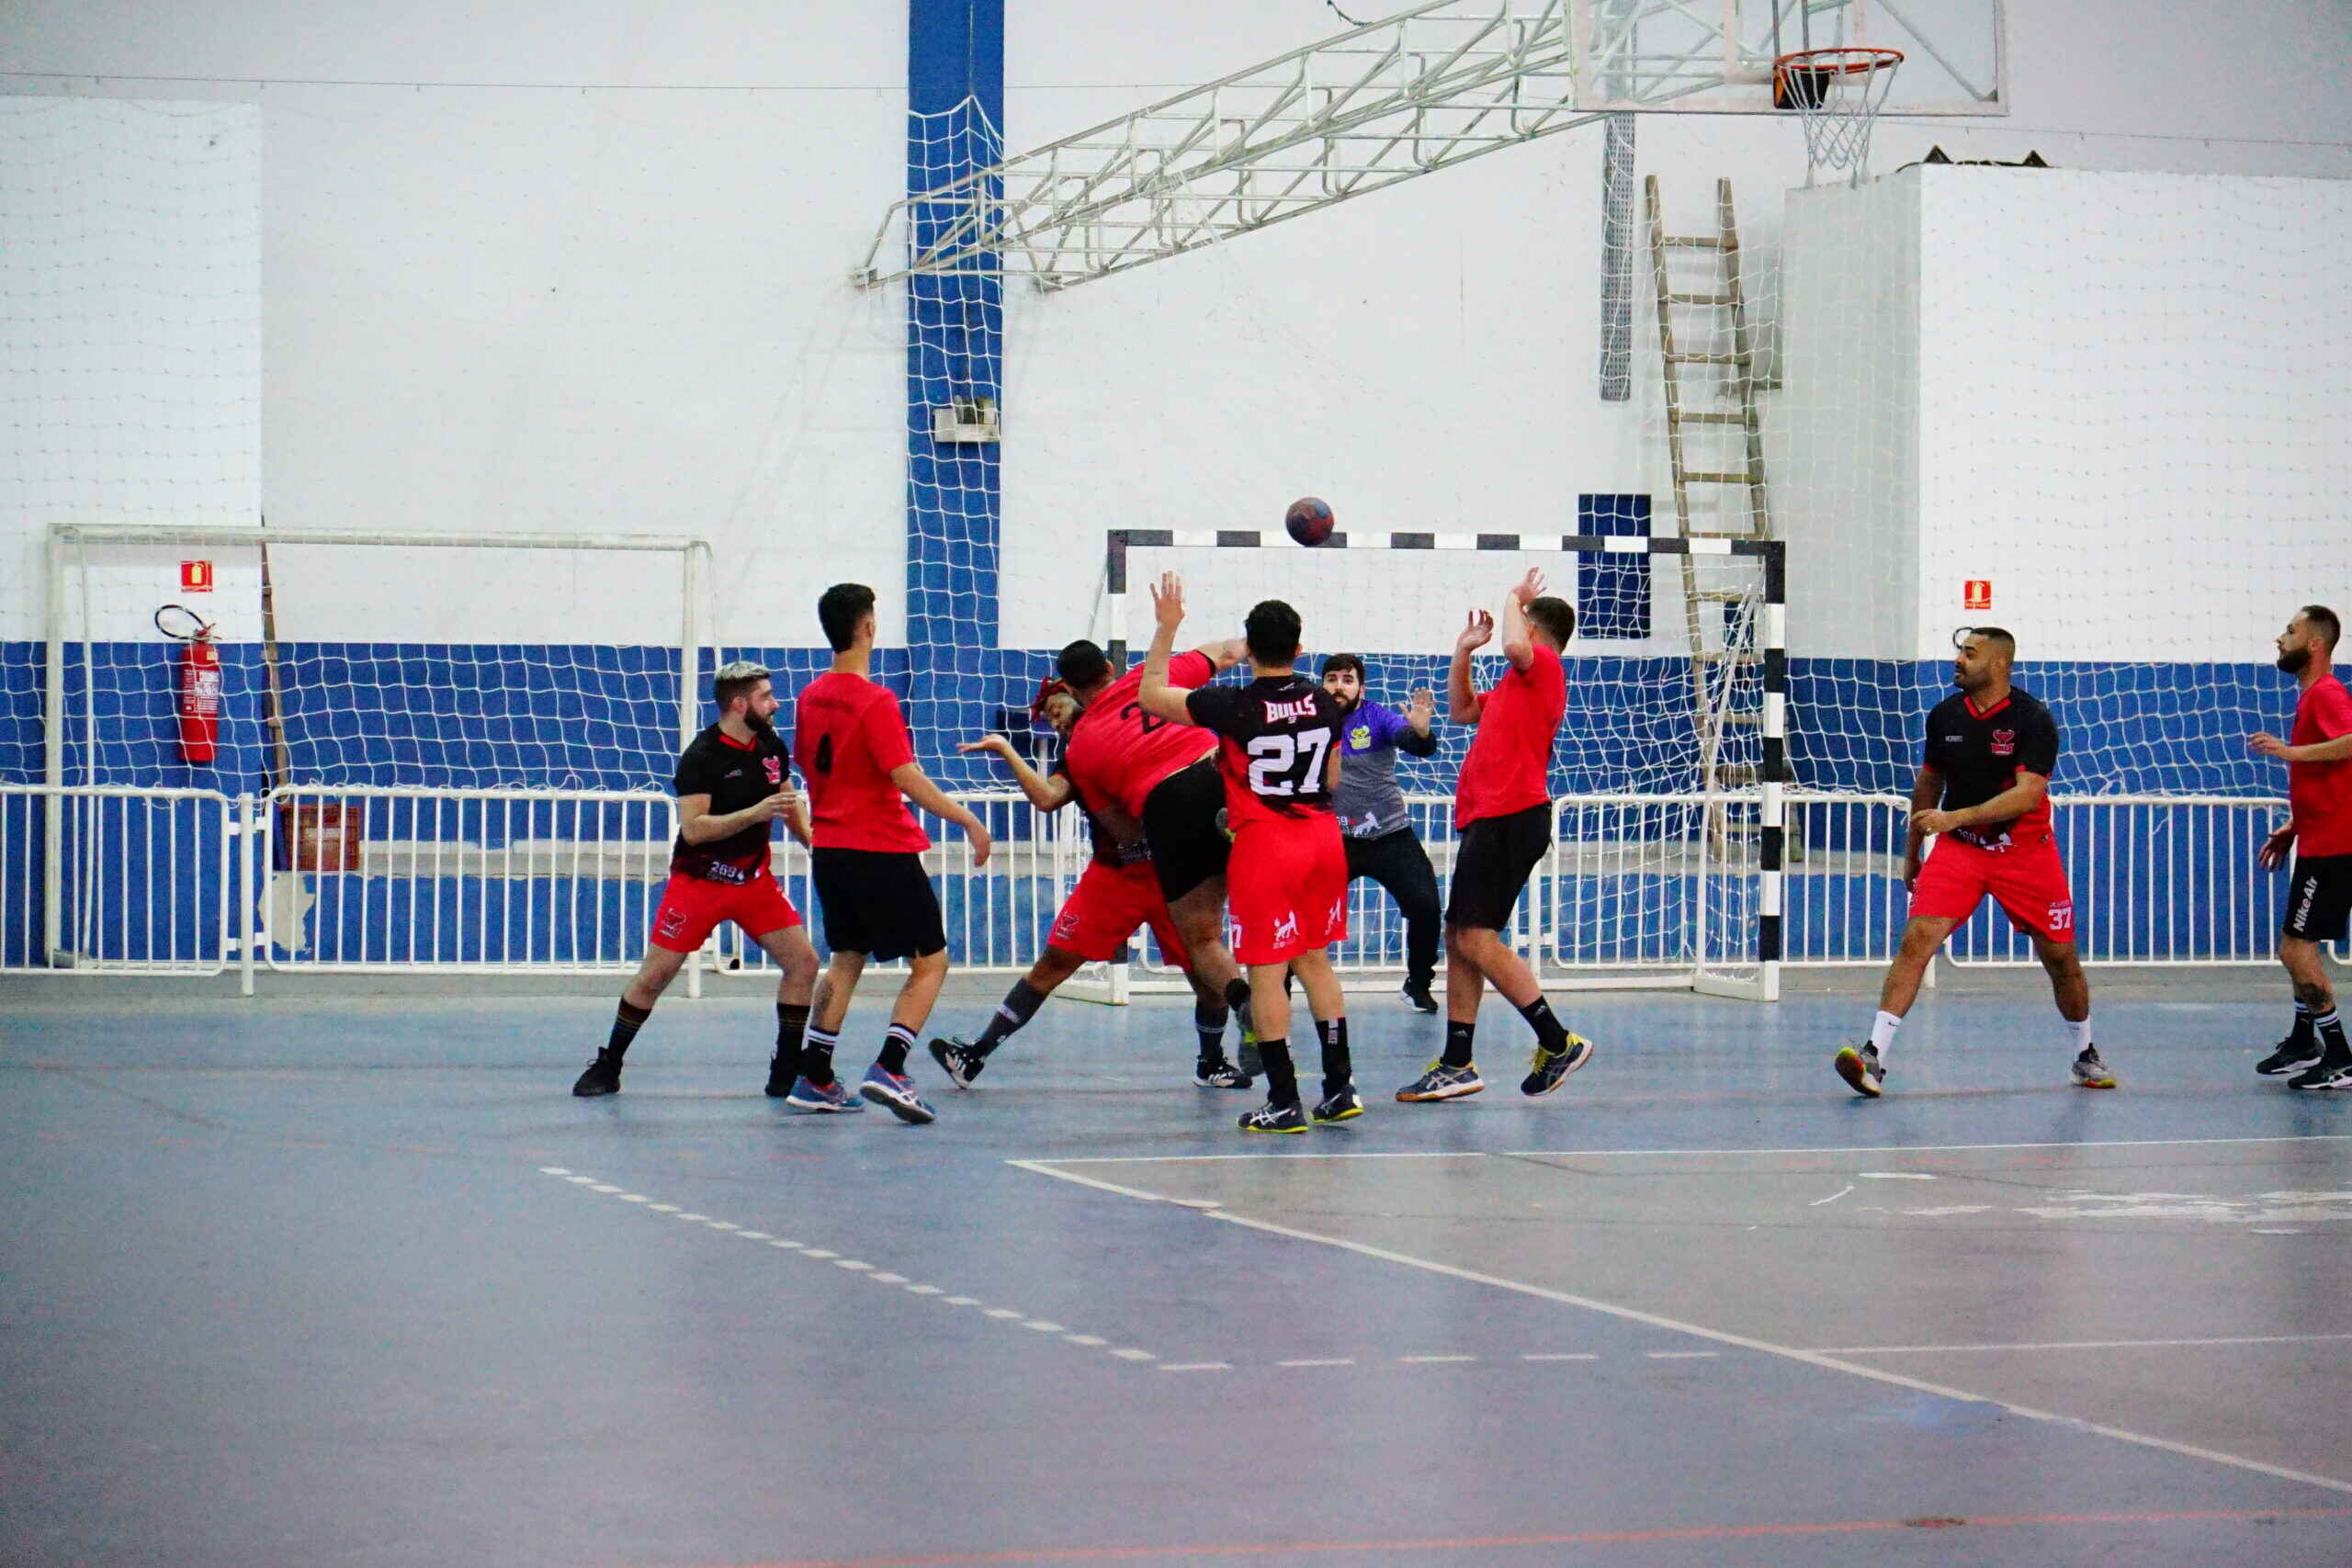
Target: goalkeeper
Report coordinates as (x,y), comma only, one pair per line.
(1378,834)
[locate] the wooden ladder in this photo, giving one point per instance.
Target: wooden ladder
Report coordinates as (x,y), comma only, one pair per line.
(1730,437)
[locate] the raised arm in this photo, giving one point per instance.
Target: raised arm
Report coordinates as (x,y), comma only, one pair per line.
(1413,737)
(1223,655)
(1463,703)
(1518,646)
(1045,794)
(1158,698)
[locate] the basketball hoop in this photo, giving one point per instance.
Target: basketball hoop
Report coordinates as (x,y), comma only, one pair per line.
(1839,92)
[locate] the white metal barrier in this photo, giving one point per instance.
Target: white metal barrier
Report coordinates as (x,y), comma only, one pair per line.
(103,879)
(1636,890)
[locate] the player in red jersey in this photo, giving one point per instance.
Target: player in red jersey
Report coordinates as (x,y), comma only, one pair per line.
(1502,807)
(1279,755)
(1983,792)
(1116,893)
(730,784)
(1163,772)
(2318,830)
(850,743)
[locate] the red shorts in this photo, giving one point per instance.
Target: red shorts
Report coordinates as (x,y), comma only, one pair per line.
(692,907)
(1286,886)
(2028,881)
(1104,910)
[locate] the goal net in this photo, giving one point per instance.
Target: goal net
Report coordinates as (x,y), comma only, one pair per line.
(1665,864)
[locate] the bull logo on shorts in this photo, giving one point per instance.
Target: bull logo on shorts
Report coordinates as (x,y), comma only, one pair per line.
(672,923)
(775,766)
(2004,742)
(1287,929)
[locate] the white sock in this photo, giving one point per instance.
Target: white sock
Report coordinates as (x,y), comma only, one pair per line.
(2080,1033)
(1883,1032)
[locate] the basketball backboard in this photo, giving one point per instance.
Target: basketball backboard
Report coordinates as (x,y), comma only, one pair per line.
(1715,56)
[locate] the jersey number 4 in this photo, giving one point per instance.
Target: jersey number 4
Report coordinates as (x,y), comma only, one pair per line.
(1151,721)
(1288,764)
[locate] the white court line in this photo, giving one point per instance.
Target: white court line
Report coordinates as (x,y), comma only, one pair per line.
(2081,1344)
(1817,1203)
(1325,1361)
(1683,1355)
(1807,1357)
(1562,1355)
(1590,1154)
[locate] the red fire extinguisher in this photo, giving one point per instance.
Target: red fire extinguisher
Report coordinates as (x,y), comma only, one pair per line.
(199,682)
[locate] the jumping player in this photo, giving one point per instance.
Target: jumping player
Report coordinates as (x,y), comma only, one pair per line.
(850,743)
(1983,792)
(1279,757)
(1115,894)
(2318,830)
(1502,807)
(1162,773)
(1379,838)
(730,784)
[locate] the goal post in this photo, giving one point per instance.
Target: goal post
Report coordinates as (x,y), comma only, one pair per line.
(429,662)
(1670,770)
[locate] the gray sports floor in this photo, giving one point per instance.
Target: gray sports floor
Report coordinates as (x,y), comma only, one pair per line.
(347,1276)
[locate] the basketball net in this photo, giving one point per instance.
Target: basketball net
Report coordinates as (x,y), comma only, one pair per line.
(1839,92)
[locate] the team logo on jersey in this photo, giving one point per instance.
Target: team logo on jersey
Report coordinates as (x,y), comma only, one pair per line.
(1277,712)
(1360,738)
(775,766)
(1286,927)
(2004,742)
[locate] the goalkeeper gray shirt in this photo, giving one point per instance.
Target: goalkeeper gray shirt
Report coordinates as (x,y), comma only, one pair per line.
(1369,803)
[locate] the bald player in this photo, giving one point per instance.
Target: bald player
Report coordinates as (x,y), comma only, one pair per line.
(1982,793)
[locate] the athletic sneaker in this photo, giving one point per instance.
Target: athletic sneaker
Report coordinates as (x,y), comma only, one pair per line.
(2090,1072)
(1219,1073)
(833,1096)
(1250,1062)
(1272,1118)
(1441,1082)
(1858,1064)
(1547,1070)
(2300,1049)
(1417,997)
(2328,1072)
(602,1076)
(1340,1107)
(958,1060)
(895,1092)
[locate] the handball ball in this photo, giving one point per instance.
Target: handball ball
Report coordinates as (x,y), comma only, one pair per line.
(1309,521)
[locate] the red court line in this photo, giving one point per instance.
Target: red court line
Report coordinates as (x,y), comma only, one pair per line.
(1579,1538)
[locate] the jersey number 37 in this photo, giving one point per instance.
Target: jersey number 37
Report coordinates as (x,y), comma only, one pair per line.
(1288,764)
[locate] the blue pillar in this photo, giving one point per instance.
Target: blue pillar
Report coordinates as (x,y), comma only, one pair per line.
(954,350)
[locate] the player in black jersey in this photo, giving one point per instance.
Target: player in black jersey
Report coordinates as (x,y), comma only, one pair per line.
(731,783)
(1983,793)
(1287,882)
(1117,892)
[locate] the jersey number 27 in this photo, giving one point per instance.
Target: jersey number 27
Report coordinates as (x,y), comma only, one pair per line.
(1288,764)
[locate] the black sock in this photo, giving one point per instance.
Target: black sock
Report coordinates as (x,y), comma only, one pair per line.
(2329,1027)
(817,1055)
(1237,998)
(791,1023)
(2301,1033)
(1549,1034)
(895,1045)
(1337,1072)
(1208,1022)
(1457,1043)
(1020,1005)
(626,1023)
(1282,1078)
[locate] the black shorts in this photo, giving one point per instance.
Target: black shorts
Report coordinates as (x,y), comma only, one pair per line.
(1491,865)
(2319,898)
(877,902)
(1182,823)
